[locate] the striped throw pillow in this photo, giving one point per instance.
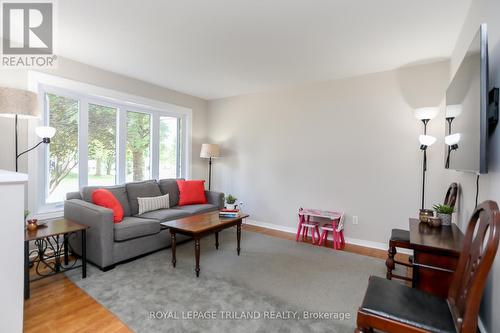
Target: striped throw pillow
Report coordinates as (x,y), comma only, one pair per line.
(153,203)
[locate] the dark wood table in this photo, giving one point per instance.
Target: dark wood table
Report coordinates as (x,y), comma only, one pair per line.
(201,225)
(49,249)
(436,253)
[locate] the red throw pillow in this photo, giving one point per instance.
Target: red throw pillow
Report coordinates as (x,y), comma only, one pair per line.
(191,192)
(105,198)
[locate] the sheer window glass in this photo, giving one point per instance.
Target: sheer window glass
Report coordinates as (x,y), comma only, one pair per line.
(102,145)
(169,147)
(63,114)
(138,151)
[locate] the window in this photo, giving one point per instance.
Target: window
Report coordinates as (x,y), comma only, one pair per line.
(169,147)
(63,151)
(138,146)
(102,141)
(102,145)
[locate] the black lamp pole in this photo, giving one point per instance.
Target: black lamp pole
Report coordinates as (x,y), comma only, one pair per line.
(424,167)
(209,172)
(16,121)
(44,140)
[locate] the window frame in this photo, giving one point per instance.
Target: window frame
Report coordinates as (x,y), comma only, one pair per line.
(87,94)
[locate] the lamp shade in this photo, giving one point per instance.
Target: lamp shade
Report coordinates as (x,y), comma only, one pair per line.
(18,102)
(426,140)
(426,113)
(453,111)
(209,150)
(45,132)
(452,139)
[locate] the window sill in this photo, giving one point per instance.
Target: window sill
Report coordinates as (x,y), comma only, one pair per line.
(49,214)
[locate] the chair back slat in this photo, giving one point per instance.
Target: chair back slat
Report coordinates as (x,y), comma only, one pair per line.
(478,252)
(451,195)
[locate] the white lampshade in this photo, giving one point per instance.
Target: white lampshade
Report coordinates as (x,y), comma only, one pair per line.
(452,139)
(453,111)
(426,113)
(426,140)
(209,150)
(18,102)
(45,132)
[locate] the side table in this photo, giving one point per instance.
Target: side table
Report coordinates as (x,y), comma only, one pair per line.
(51,242)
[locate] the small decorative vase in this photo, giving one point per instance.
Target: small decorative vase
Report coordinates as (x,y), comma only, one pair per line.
(424,214)
(231,206)
(445,219)
(32,224)
(434,221)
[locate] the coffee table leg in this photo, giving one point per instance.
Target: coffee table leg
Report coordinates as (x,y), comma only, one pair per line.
(84,253)
(197,255)
(173,245)
(238,236)
(217,240)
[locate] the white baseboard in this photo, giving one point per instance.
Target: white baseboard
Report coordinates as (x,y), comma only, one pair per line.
(349,240)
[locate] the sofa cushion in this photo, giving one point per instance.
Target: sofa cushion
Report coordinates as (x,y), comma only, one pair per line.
(150,204)
(170,186)
(163,215)
(133,227)
(119,191)
(148,188)
(191,192)
(104,198)
(197,209)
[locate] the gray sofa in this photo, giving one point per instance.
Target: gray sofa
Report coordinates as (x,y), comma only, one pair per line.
(109,243)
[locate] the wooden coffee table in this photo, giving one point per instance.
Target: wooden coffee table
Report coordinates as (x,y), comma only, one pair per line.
(201,225)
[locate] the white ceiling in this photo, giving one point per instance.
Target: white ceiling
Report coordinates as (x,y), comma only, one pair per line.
(220,48)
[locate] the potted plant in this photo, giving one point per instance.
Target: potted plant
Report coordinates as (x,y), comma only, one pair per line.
(231,202)
(444,212)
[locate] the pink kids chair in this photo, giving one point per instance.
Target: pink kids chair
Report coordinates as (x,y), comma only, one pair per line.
(337,229)
(305,224)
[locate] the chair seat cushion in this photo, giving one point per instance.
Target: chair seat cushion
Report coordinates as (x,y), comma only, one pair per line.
(400,235)
(197,209)
(134,227)
(395,301)
(163,215)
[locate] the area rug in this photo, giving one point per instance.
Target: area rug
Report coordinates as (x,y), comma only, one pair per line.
(274,285)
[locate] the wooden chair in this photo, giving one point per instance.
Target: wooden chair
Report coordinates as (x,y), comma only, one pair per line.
(392,307)
(401,239)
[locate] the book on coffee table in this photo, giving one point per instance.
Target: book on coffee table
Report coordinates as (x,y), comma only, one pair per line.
(229,213)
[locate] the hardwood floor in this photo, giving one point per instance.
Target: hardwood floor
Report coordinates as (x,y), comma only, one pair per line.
(58,305)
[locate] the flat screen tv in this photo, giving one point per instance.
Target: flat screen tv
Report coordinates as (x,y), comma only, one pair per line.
(467,110)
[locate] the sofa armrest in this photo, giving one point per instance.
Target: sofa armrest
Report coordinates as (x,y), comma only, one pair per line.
(100,235)
(215,198)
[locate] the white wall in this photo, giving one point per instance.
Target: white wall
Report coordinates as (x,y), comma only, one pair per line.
(348,145)
(87,74)
(482,11)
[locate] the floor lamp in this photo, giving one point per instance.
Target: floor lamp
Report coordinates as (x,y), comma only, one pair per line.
(209,151)
(23,104)
(451,140)
(425,115)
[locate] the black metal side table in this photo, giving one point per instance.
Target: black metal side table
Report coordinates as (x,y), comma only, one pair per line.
(51,243)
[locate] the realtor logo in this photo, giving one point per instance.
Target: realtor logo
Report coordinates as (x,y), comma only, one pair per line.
(27,29)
